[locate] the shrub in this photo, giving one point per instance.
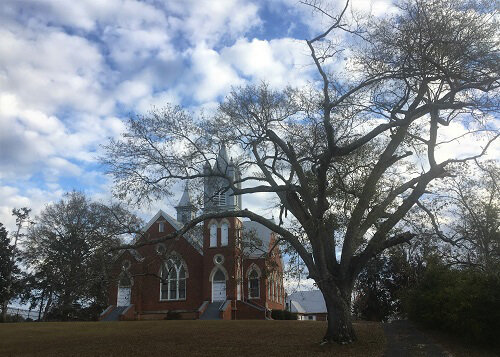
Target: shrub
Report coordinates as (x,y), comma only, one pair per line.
(173,315)
(464,302)
(290,315)
(278,314)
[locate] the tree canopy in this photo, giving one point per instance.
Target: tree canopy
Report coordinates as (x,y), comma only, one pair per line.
(69,249)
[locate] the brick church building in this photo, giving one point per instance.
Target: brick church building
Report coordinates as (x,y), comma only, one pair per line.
(225,269)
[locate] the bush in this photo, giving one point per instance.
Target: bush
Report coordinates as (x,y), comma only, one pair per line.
(173,315)
(290,315)
(278,315)
(464,302)
(283,315)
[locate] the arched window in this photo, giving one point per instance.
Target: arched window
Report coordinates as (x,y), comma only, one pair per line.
(253,284)
(213,235)
(173,284)
(224,234)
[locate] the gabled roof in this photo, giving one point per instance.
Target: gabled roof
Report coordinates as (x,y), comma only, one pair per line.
(173,222)
(309,302)
(196,240)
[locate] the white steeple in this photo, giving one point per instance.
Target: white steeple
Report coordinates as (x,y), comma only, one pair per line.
(218,195)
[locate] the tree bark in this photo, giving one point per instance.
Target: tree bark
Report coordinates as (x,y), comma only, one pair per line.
(338,304)
(4,311)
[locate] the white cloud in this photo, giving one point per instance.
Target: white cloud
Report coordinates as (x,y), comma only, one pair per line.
(279,62)
(36,199)
(211,76)
(210,21)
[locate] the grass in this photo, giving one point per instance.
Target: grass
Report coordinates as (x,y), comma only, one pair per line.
(183,338)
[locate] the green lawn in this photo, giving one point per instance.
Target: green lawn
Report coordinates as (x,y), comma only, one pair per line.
(183,338)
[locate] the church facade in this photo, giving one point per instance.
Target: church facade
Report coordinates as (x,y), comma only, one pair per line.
(227,268)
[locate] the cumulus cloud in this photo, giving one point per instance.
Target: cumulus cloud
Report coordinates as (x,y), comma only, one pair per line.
(71,71)
(279,62)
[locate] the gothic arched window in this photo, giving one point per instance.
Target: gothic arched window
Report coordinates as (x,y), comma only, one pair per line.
(224,234)
(213,235)
(173,282)
(253,284)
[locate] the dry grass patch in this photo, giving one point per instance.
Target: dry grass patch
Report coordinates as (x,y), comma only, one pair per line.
(183,338)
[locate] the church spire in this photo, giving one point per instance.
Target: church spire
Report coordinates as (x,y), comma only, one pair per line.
(222,159)
(186,210)
(186,197)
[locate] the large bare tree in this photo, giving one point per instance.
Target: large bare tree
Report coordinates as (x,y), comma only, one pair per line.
(351,155)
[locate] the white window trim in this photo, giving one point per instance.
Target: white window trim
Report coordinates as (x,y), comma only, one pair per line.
(161,227)
(177,280)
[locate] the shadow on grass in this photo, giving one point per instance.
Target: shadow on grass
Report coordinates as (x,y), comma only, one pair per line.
(184,338)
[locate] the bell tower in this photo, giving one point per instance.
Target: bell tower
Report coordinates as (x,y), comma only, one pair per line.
(220,247)
(218,195)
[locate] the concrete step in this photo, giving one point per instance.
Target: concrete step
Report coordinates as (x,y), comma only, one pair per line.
(114,315)
(212,311)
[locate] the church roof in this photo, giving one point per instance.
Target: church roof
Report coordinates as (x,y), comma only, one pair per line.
(260,246)
(167,217)
(193,236)
(307,302)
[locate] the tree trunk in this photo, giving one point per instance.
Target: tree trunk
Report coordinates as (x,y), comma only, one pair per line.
(338,304)
(47,307)
(4,312)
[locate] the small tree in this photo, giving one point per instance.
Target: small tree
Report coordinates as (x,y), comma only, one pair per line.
(8,268)
(345,159)
(11,274)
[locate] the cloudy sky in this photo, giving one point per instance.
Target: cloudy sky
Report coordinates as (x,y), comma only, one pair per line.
(70,71)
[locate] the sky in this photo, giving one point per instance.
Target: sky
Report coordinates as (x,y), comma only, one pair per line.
(71,71)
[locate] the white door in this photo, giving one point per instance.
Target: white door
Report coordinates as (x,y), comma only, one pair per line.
(219,291)
(123,297)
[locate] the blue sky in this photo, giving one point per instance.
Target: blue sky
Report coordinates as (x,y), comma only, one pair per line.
(71,71)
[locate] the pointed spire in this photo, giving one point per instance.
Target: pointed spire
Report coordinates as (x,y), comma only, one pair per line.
(186,198)
(222,159)
(186,210)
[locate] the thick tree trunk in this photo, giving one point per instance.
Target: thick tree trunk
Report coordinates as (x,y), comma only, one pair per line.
(338,304)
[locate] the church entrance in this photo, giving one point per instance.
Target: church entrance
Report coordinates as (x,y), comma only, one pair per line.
(219,286)
(123,298)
